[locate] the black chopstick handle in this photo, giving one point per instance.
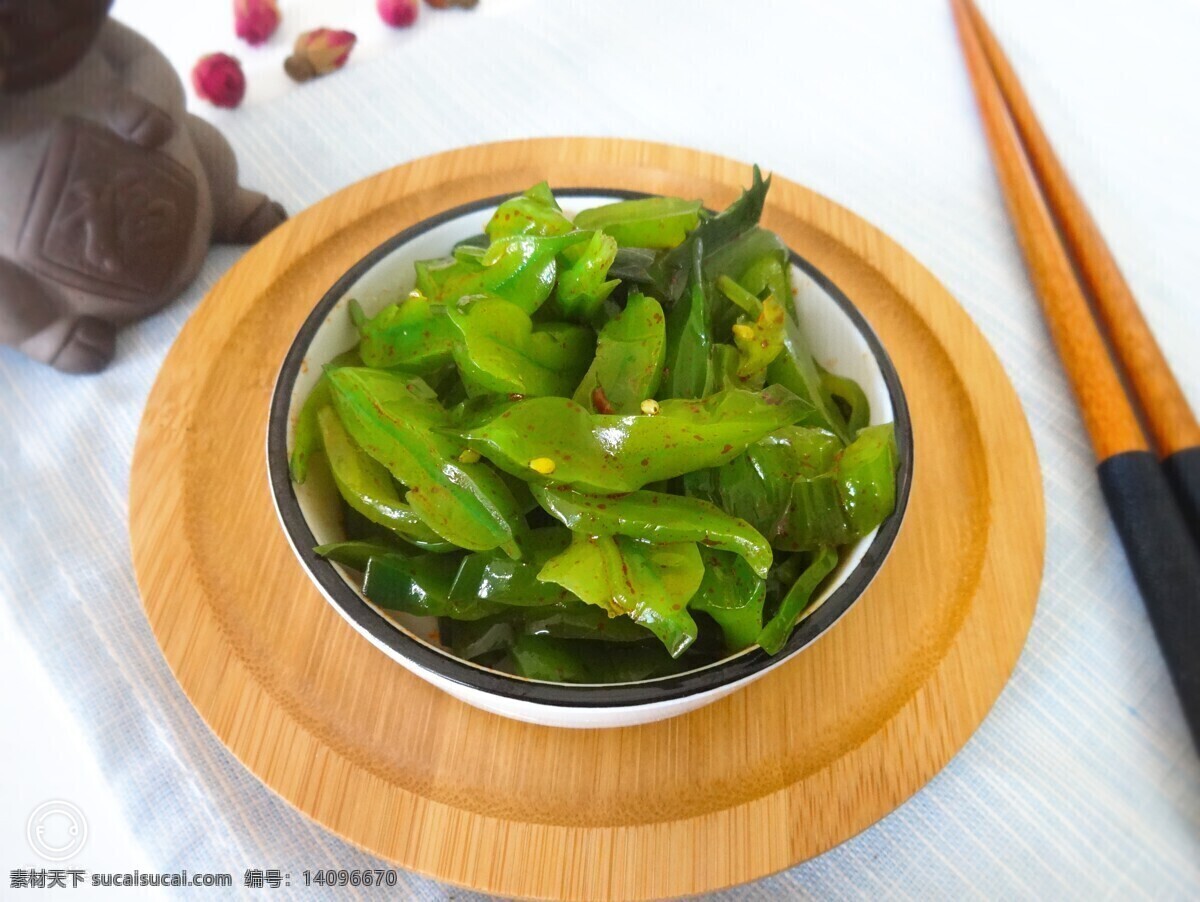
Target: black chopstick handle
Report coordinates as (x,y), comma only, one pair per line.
(1183,472)
(1166,564)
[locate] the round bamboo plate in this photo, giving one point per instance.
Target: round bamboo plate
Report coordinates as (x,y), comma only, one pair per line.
(775,774)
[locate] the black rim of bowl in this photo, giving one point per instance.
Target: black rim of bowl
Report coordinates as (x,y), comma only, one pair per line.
(707,678)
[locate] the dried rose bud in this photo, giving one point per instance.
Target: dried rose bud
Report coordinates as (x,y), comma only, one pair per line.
(218,78)
(397,13)
(319,52)
(449,4)
(255,20)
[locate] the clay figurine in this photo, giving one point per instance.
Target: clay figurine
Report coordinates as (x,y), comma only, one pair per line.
(110,192)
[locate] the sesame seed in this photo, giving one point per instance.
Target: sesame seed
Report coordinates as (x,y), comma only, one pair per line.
(543,465)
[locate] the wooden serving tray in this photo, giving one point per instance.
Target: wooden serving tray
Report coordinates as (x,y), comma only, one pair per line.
(775,774)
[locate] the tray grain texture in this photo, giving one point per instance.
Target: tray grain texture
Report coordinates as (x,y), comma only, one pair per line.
(779,772)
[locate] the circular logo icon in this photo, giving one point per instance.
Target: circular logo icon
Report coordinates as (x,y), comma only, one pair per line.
(56,830)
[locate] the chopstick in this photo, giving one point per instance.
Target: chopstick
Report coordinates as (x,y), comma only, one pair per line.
(1171,422)
(1154,531)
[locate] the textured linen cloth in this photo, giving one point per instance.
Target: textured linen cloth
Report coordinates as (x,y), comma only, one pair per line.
(1082,781)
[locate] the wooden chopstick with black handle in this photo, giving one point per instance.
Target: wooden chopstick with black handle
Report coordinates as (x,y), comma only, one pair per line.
(1162,554)
(1172,424)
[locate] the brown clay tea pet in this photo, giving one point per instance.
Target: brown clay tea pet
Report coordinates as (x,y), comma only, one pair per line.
(110,192)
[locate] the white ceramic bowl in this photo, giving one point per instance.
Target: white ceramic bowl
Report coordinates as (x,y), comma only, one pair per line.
(843,342)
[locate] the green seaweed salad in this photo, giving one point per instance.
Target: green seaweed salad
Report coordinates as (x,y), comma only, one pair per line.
(597,450)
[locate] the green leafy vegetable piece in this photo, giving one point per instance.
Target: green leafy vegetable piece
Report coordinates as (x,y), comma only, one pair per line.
(867,478)
(629,357)
(657,517)
(796,369)
(653,222)
(632,264)
(523,268)
(469,253)
(757,263)
(354,554)
(578,620)
(519,268)
(520,492)
(481,583)
(584,285)
(742,299)
(736,257)
(732,594)
(848,394)
(449,278)
(306,435)
(535,212)
(500,351)
(689,364)
(651,584)
(480,241)
(793,605)
(848,500)
(549,660)
(566,661)
(483,407)
(473,639)
(367,487)
(393,418)
(670,273)
(758,485)
(623,453)
(725,362)
(420,586)
(814,516)
(494,577)
(759,342)
(541,192)
(413,334)
(572,620)
(787,569)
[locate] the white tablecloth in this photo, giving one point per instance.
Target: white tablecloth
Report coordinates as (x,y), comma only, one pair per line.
(1081,782)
